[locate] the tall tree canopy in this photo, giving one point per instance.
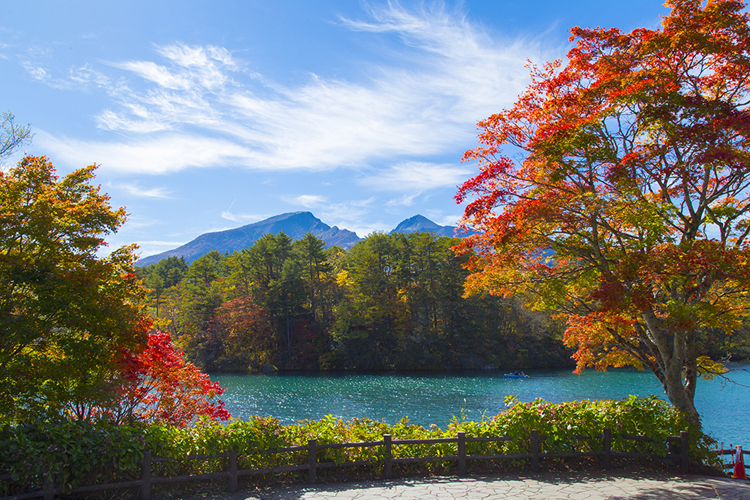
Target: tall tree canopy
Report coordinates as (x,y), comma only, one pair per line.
(65,312)
(628,209)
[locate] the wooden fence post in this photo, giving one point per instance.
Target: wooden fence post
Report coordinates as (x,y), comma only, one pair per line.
(312,460)
(534,445)
(607,448)
(461,453)
(388,458)
(232,471)
(684,452)
(49,486)
(146,476)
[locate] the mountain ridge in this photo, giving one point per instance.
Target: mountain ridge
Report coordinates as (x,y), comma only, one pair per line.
(293,224)
(422,223)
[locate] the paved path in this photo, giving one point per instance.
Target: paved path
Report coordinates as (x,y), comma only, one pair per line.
(580,486)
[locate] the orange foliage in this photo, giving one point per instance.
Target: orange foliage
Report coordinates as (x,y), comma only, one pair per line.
(630,211)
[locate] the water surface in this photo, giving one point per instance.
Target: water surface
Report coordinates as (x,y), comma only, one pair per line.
(437,397)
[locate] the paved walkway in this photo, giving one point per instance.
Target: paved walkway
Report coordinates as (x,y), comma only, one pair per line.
(594,486)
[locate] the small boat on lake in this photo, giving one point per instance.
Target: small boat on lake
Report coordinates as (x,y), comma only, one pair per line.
(516,375)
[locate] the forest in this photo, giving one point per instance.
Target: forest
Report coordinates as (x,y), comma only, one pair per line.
(392,302)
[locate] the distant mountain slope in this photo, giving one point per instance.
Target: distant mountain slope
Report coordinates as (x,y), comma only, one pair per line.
(421,223)
(295,225)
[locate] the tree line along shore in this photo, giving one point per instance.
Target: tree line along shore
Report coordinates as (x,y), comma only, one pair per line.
(392,302)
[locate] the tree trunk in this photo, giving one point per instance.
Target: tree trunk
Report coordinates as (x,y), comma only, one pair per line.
(679,394)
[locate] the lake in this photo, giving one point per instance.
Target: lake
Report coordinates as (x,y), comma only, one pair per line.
(435,397)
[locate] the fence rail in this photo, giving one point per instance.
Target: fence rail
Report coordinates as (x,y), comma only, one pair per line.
(730,451)
(533,455)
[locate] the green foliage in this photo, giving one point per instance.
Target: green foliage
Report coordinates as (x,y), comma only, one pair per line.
(392,301)
(65,312)
(403,308)
(76,452)
(565,423)
(82,453)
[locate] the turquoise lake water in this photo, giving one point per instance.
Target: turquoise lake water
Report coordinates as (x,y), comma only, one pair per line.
(434,398)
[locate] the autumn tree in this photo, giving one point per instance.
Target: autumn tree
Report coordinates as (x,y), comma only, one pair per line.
(402,308)
(159,385)
(248,340)
(65,312)
(628,208)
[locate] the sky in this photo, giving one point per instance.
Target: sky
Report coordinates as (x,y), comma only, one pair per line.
(205,116)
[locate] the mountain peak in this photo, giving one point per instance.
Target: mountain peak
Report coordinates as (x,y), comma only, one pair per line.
(422,223)
(293,224)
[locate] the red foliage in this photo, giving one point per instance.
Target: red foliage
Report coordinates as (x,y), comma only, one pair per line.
(158,385)
(630,208)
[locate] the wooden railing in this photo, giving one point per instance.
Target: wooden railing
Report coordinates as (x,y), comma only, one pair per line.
(730,451)
(533,455)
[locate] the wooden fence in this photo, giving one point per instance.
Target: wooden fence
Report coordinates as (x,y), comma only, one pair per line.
(534,455)
(730,465)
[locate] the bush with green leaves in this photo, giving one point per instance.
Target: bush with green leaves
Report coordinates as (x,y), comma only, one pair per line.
(79,453)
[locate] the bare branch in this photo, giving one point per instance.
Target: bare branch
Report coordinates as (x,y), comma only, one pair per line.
(12,136)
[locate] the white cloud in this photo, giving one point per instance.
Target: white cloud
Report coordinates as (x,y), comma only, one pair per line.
(406,200)
(190,68)
(136,222)
(161,243)
(36,72)
(77,78)
(151,247)
(141,192)
(86,74)
(413,176)
(307,200)
(351,215)
(201,107)
(157,74)
(148,156)
(444,220)
(243,218)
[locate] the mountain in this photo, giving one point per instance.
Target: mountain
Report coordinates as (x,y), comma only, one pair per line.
(422,223)
(295,225)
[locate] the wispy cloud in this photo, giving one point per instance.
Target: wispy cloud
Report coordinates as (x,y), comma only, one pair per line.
(81,78)
(36,72)
(444,220)
(350,215)
(161,243)
(202,107)
(151,247)
(406,200)
(136,222)
(170,153)
(307,200)
(416,176)
(227,214)
(141,192)
(242,218)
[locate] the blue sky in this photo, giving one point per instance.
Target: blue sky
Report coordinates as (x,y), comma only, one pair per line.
(206,116)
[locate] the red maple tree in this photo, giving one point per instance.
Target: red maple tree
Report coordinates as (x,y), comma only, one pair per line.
(158,385)
(629,209)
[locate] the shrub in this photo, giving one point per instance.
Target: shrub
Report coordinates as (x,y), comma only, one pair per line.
(80,453)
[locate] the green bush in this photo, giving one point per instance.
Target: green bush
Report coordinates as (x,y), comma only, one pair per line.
(78,453)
